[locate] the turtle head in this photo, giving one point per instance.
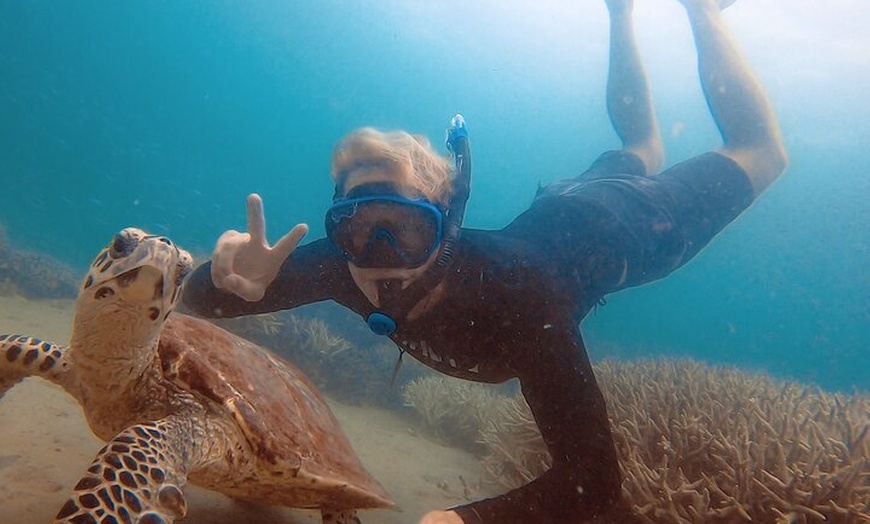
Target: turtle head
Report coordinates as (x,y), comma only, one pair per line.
(135,281)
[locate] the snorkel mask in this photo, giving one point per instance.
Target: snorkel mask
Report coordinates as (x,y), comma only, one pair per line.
(385,230)
(374,226)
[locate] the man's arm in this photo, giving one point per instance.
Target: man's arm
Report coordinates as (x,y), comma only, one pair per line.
(584,480)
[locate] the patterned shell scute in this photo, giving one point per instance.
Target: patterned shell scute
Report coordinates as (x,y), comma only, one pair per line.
(288,424)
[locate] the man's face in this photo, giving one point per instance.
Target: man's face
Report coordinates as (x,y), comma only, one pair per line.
(374,281)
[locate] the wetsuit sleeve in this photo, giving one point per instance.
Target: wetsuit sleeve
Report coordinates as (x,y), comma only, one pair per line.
(610,231)
(314,272)
(584,480)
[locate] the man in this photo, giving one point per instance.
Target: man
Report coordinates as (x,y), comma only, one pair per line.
(494,305)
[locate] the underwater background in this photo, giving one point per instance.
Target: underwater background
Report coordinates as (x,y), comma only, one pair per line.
(164,115)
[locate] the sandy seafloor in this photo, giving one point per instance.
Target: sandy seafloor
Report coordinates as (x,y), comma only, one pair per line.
(45,447)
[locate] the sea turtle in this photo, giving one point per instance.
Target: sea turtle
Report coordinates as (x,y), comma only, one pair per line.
(177,399)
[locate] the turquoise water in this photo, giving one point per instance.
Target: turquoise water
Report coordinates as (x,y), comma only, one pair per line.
(164,115)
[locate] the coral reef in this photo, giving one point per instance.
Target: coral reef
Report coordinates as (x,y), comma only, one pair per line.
(451,409)
(700,444)
(515,452)
(34,275)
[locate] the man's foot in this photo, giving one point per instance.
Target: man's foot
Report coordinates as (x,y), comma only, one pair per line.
(694,4)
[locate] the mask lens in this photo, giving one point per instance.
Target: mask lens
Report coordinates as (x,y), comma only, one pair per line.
(385,231)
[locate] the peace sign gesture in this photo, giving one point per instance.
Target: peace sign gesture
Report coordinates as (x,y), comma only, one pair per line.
(244,263)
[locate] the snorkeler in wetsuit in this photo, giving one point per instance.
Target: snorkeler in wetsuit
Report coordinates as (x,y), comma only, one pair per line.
(494,305)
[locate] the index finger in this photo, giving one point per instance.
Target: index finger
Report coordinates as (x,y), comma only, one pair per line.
(256,219)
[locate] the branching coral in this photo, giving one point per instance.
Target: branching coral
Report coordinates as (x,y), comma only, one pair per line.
(269,323)
(318,338)
(515,452)
(452,409)
(701,444)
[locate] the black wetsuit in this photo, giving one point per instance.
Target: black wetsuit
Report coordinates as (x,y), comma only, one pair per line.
(513,301)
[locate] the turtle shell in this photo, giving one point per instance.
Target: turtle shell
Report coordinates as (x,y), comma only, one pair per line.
(291,431)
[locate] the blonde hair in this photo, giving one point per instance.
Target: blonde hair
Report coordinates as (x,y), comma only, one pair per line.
(407,159)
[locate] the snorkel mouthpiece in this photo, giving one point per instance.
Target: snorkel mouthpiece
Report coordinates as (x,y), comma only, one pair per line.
(381,324)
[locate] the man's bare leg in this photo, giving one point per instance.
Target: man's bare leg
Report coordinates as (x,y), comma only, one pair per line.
(629,103)
(742,111)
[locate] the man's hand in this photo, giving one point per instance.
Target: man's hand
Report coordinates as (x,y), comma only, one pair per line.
(244,263)
(441,517)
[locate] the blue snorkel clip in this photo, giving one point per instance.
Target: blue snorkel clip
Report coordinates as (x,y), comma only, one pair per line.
(456,131)
(381,324)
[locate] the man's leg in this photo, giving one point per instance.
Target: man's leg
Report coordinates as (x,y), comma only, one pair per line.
(629,103)
(746,121)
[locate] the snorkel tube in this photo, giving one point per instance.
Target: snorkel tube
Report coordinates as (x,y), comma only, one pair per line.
(457,143)
(383,322)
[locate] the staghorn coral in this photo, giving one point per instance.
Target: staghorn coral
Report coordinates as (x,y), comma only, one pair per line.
(700,444)
(269,323)
(451,409)
(319,338)
(515,452)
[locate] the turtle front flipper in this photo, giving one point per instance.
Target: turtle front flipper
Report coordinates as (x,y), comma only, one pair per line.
(22,357)
(137,477)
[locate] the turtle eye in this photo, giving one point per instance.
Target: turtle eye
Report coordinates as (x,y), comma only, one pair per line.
(181,272)
(122,245)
